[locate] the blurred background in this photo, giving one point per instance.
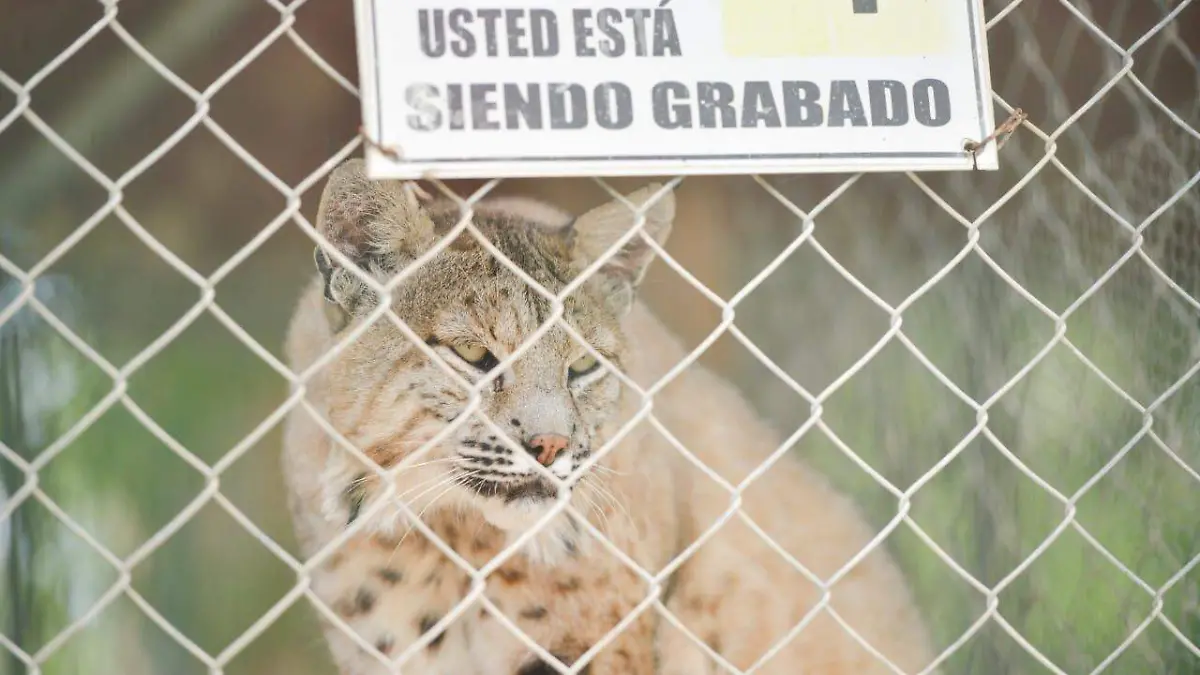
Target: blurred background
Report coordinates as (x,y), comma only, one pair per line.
(1108,418)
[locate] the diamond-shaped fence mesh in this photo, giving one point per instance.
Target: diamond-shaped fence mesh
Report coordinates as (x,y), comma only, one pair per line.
(998,369)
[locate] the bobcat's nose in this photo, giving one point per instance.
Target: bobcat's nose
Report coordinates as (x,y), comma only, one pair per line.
(546,447)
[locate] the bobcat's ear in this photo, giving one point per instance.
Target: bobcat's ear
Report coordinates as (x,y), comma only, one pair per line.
(374,223)
(596,231)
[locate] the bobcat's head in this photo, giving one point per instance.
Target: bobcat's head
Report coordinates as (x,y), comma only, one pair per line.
(556,402)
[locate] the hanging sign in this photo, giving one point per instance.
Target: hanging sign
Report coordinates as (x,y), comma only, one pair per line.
(472,88)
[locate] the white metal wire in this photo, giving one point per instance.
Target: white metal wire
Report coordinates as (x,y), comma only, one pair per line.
(1050,134)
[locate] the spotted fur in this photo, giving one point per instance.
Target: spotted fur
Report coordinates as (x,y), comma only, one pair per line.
(480,487)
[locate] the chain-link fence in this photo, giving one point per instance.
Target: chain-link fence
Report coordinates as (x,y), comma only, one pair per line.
(996,367)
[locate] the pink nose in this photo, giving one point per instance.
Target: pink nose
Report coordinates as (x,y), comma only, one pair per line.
(547,446)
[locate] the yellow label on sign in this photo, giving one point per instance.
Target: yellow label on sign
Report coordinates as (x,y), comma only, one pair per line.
(851,28)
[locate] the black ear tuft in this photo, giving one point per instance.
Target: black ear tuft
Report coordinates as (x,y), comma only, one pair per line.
(326,271)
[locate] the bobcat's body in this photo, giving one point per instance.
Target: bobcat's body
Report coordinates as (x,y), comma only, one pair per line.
(566,591)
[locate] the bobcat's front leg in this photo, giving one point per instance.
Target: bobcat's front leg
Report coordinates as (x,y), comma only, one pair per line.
(632,652)
(631,658)
(389,594)
(569,610)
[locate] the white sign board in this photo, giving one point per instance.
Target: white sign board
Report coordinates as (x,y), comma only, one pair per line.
(472,88)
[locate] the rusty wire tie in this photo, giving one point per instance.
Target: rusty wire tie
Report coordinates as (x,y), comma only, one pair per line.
(1000,135)
(388,151)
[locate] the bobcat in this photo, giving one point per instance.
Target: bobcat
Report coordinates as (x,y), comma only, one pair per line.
(732,598)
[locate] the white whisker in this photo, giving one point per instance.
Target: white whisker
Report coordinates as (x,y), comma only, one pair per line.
(440,481)
(598,511)
(430,462)
(420,485)
(605,469)
(425,487)
(617,505)
(457,482)
(368,476)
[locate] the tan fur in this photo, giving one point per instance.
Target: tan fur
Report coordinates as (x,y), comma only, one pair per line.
(391,585)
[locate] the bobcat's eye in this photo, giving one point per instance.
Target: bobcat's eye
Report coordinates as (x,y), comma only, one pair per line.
(583,365)
(476,355)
